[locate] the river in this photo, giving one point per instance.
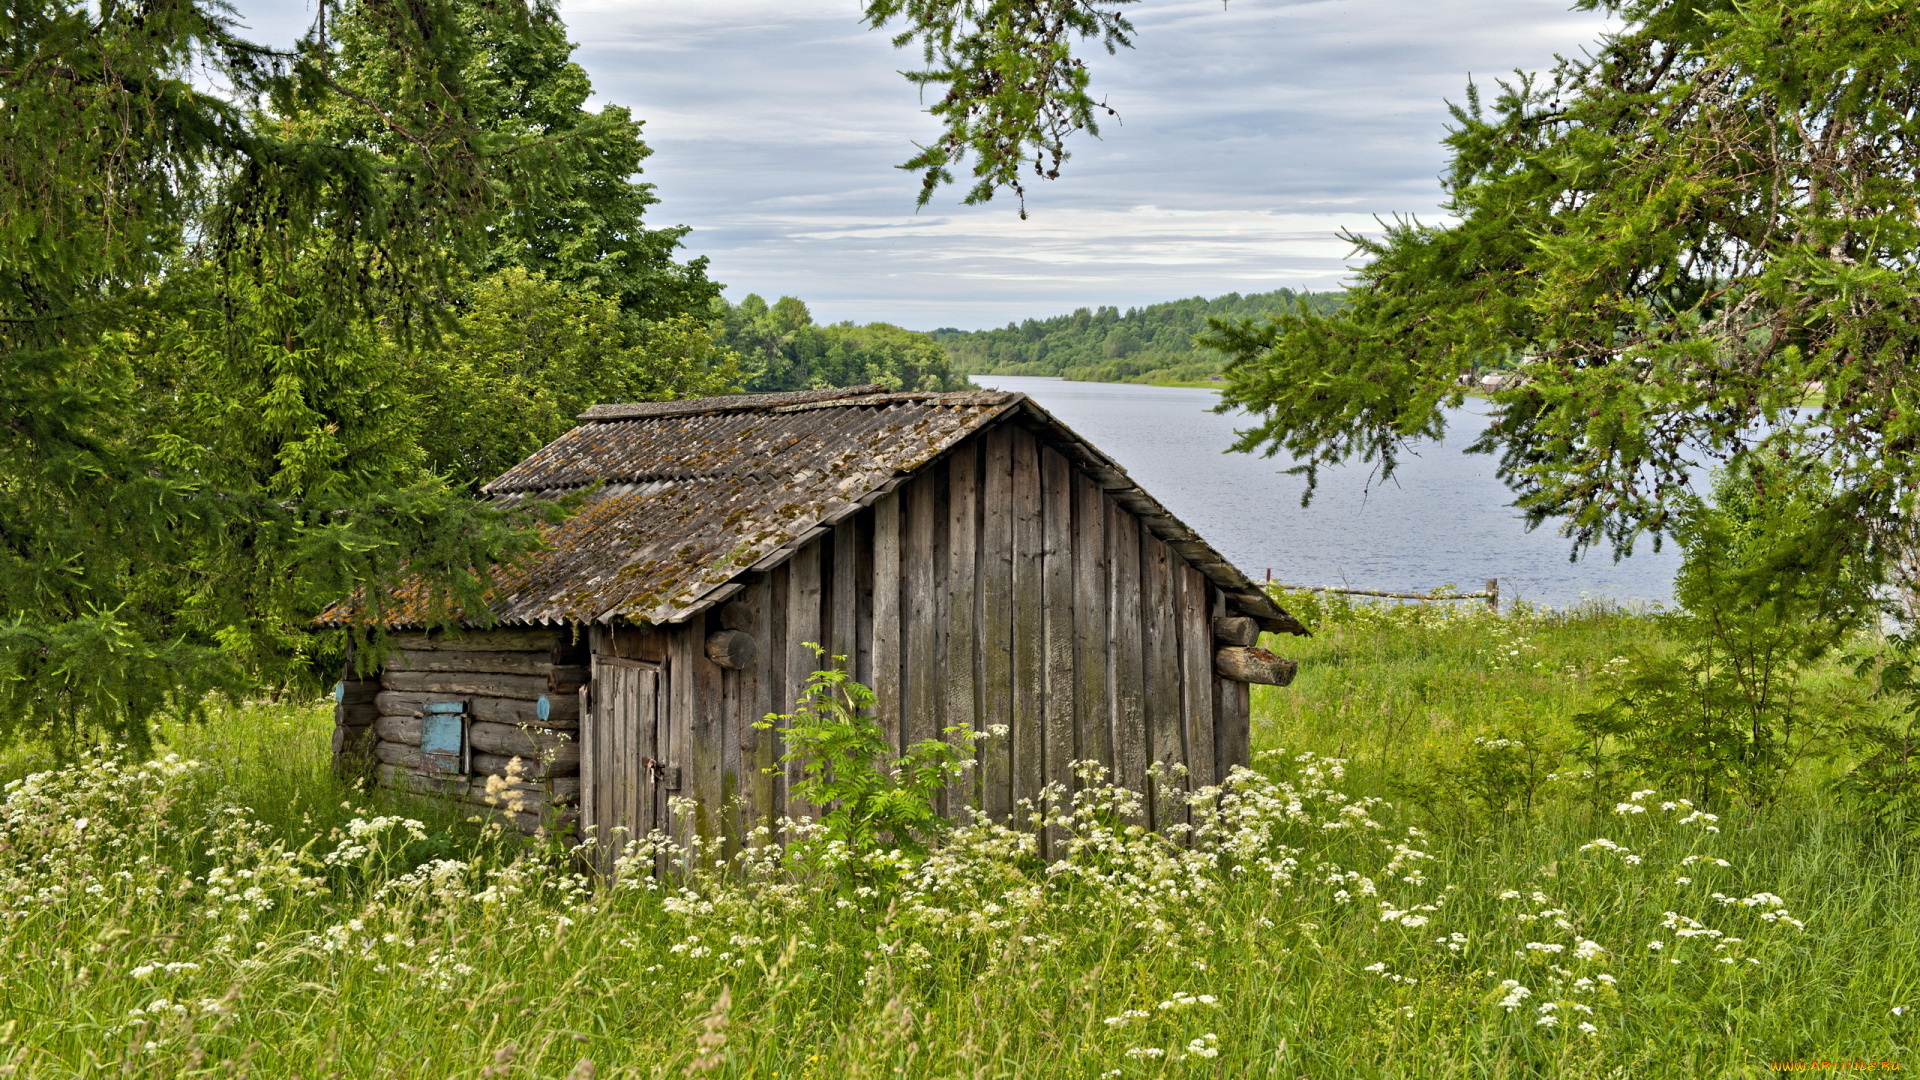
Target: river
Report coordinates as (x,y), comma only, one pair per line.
(1444,519)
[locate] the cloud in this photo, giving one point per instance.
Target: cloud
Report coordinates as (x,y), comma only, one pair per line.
(1249,136)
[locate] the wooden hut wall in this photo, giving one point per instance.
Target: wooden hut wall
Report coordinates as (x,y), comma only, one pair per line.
(500,675)
(997,586)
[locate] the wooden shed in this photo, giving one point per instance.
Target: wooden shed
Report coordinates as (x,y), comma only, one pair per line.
(974,560)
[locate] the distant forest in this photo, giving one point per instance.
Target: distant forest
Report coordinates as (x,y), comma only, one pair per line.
(780,347)
(1152,344)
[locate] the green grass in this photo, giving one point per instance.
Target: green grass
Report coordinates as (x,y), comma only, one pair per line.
(375,948)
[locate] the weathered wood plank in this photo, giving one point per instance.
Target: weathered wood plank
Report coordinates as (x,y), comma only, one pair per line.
(502,639)
(683,684)
(1029,621)
(593,770)
(1132,749)
(756,792)
(887,616)
(1057,618)
(705,758)
(1092,705)
(499,663)
(1232,725)
(996,622)
(357,691)
(1196,674)
(774,694)
(1165,725)
(563,710)
(845,602)
(803,627)
(920,669)
(962,614)
(466,684)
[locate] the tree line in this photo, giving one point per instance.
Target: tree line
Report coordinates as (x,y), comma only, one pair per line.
(1152,344)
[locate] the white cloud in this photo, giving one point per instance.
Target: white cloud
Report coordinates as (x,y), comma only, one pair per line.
(1248,138)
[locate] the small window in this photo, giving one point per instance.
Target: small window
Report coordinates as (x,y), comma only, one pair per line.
(443,737)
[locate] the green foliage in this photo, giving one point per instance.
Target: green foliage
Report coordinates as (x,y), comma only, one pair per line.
(1883,786)
(1152,344)
(879,803)
(1733,707)
(1010,91)
(527,355)
(223,313)
(1694,243)
(782,349)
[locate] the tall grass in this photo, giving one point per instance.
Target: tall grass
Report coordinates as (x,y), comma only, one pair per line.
(251,915)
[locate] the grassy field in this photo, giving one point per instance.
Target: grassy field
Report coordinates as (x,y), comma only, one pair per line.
(1383,897)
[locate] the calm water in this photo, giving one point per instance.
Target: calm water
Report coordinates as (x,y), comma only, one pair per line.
(1444,520)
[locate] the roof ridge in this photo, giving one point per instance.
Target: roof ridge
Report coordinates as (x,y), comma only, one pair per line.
(651,410)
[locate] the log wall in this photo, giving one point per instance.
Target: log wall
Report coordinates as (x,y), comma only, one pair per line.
(501,675)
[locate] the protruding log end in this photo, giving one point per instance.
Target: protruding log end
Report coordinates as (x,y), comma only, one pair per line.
(732,649)
(1253,665)
(1236,630)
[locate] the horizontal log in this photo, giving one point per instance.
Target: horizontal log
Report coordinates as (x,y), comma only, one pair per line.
(557,791)
(359,714)
(531,768)
(732,649)
(497,663)
(1391,595)
(1252,665)
(527,742)
(404,730)
(399,754)
(403,778)
(1236,630)
(563,710)
(505,639)
(568,679)
(467,684)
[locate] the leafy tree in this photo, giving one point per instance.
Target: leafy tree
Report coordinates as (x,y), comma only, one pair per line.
(528,355)
(782,349)
(215,308)
(1736,705)
(1697,244)
(1010,88)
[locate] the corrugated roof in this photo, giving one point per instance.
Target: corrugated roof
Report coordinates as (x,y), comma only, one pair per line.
(694,493)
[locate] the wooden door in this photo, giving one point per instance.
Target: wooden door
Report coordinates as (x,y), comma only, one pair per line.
(621,799)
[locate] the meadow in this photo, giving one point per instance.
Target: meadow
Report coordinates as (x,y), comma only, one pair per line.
(1417,879)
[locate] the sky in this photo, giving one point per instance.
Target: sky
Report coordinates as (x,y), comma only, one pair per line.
(1250,134)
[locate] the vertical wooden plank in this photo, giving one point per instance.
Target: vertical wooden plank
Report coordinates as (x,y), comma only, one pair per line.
(846,594)
(755,799)
(963,633)
(775,696)
(684,682)
(1092,704)
(1196,675)
(1165,727)
(886,615)
(803,626)
(646,718)
(1131,748)
(863,596)
(590,766)
(705,756)
(1057,618)
(920,676)
(1232,727)
(996,622)
(1029,625)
